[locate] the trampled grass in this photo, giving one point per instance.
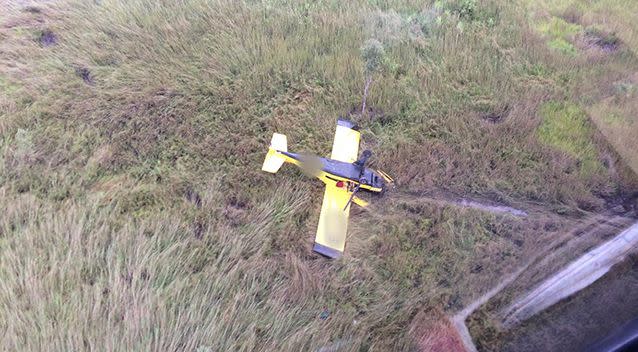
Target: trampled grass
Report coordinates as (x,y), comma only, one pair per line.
(135,216)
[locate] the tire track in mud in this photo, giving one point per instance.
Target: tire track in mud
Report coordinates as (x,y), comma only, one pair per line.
(445,198)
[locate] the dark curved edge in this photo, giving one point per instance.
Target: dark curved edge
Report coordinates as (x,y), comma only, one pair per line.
(347,123)
(623,339)
(326,251)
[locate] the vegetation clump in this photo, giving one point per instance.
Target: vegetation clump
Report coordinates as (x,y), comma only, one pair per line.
(561,34)
(566,127)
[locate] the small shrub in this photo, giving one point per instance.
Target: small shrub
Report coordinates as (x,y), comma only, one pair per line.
(373,54)
(469,11)
(625,88)
(466,9)
(423,23)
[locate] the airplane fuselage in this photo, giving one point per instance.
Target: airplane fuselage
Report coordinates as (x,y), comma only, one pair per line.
(341,173)
(344,173)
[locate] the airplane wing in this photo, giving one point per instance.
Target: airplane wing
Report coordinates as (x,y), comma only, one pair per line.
(333,222)
(346,143)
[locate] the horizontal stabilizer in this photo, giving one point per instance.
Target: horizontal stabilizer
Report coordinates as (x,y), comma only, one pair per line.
(279,142)
(274,159)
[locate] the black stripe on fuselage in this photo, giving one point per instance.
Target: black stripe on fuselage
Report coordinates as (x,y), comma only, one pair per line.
(334,167)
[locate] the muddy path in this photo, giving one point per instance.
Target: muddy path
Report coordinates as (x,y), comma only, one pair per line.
(544,236)
(447,198)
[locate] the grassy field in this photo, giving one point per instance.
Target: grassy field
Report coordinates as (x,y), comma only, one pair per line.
(135,215)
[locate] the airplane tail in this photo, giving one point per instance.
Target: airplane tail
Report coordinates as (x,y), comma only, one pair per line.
(274,160)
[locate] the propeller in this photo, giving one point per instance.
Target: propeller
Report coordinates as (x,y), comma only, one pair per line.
(362,164)
(363,160)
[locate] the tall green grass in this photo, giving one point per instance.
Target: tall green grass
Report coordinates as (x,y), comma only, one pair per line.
(135,213)
(567,128)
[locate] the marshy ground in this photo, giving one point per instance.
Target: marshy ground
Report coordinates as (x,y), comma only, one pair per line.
(135,216)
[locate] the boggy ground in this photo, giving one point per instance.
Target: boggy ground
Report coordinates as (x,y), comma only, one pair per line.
(135,215)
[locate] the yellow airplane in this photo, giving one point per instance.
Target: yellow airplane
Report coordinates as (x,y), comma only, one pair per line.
(343,174)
